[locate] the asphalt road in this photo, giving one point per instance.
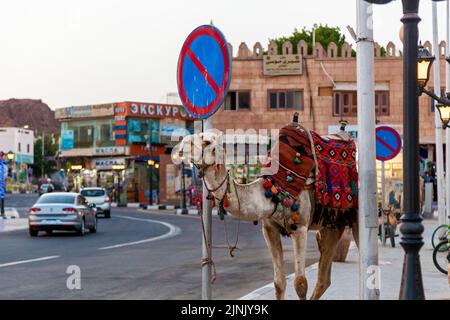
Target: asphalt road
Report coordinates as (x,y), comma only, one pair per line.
(135,255)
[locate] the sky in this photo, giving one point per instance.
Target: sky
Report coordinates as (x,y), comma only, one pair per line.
(81,52)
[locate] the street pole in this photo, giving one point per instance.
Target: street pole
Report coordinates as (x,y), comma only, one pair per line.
(150,197)
(2,186)
(411,228)
(383,202)
(43,160)
(367,213)
(447,132)
(438,122)
(207,239)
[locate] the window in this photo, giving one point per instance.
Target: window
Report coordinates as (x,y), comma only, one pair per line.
(237,100)
(19,147)
(138,130)
(28,148)
(285,99)
(345,103)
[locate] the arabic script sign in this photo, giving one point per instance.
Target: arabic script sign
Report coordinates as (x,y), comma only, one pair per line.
(280,65)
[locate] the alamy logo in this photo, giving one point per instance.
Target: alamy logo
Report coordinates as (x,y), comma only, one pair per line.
(374,279)
(74,280)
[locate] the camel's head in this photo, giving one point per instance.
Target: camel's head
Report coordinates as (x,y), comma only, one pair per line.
(202,149)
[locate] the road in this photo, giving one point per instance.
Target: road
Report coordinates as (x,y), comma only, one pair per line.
(135,255)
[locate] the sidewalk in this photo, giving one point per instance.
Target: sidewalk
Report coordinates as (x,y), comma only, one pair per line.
(344,278)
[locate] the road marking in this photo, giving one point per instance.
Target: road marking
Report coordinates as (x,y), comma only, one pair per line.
(27,261)
(173,231)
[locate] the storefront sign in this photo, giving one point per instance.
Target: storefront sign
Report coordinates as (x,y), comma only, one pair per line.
(278,65)
(100,110)
(66,139)
(109,151)
(150,110)
(108,163)
(141,149)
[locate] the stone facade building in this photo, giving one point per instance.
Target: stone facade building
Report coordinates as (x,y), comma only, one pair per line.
(323,90)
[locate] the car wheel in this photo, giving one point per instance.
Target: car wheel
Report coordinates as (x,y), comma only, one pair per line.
(33,232)
(82,229)
(94,228)
(107,214)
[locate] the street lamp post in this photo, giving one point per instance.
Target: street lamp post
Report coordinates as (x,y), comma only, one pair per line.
(151,163)
(118,168)
(411,287)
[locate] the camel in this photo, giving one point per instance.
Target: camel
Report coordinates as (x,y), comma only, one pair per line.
(247,202)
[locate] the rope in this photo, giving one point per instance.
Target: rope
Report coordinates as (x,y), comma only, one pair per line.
(208,260)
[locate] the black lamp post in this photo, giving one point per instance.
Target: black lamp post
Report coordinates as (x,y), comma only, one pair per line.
(411,287)
(118,168)
(150,163)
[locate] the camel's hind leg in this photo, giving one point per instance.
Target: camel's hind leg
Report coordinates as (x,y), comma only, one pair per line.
(299,241)
(273,240)
(327,240)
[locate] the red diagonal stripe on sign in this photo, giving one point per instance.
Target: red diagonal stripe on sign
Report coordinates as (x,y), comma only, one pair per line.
(385,144)
(203,71)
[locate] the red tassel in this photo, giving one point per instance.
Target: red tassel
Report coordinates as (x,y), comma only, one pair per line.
(267,184)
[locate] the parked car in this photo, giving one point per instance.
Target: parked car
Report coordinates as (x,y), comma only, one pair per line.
(62,211)
(45,188)
(100,198)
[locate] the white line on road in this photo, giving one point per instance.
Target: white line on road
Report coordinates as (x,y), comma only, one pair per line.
(173,231)
(27,261)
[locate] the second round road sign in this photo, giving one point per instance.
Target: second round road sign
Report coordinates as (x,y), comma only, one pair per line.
(204,71)
(388,143)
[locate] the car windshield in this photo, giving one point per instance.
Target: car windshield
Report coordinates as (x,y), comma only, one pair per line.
(57,198)
(93,193)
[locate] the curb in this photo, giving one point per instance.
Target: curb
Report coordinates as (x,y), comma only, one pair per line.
(260,292)
(195,212)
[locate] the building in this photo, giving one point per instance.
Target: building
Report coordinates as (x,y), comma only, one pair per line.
(267,88)
(96,138)
(21,143)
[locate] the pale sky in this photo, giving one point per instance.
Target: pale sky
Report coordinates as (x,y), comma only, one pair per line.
(78,52)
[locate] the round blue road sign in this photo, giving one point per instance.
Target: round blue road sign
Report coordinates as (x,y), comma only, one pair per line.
(388,143)
(204,71)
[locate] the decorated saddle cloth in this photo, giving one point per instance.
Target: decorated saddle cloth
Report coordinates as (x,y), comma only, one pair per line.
(335,183)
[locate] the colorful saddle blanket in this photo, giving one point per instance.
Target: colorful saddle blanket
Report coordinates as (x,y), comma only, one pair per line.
(336,181)
(336,176)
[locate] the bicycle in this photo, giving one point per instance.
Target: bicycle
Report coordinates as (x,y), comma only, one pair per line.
(441,254)
(439,235)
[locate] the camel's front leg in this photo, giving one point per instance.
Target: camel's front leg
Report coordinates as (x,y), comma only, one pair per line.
(273,240)
(327,240)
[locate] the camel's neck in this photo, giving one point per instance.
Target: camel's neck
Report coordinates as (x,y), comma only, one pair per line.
(215,177)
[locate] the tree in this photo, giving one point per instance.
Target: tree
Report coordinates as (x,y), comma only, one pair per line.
(50,150)
(324,35)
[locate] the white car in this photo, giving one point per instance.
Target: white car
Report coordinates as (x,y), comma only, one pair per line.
(62,211)
(99,197)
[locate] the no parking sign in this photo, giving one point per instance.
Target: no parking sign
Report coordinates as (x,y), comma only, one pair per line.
(204,71)
(388,143)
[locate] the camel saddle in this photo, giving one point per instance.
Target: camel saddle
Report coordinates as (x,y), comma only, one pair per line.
(334,179)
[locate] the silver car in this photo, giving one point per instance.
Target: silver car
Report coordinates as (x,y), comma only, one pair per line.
(62,211)
(100,198)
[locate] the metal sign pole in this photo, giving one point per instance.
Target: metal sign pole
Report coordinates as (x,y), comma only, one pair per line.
(368,228)
(206,246)
(383,202)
